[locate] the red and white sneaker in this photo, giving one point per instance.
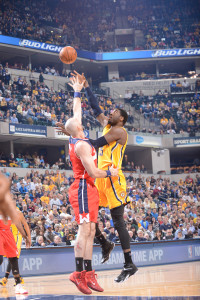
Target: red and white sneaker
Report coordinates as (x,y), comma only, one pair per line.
(78,278)
(91,280)
(20,289)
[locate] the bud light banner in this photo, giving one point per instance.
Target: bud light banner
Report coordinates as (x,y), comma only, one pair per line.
(23,129)
(100,56)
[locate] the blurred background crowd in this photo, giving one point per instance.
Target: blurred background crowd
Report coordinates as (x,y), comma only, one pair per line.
(159,209)
(35,103)
(161,26)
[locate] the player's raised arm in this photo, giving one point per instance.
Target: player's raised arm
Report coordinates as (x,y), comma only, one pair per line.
(77,87)
(92,100)
(83,151)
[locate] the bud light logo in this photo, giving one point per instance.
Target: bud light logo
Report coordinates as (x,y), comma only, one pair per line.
(190,251)
(177,52)
(39,46)
(139,139)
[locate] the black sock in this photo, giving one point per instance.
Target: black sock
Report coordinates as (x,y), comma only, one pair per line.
(17,280)
(100,236)
(128,258)
(88,265)
(8,269)
(15,269)
(79,264)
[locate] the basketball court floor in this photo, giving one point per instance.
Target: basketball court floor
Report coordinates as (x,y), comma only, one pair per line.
(175,281)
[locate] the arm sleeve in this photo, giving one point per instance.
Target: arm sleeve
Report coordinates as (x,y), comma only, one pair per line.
(93,102)
(98,143)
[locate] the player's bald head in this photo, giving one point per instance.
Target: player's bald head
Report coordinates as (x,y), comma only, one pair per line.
(73,126)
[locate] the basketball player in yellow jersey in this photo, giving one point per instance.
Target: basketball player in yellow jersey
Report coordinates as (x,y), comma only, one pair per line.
(18,239)
(112,192)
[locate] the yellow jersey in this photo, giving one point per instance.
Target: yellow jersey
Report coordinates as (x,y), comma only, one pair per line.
(112,153)
(14,230)
(17,236)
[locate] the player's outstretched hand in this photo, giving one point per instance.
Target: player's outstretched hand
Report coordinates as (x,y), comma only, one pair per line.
(81,78)
(75,84)
(28,242)
(114,171)
(60,127)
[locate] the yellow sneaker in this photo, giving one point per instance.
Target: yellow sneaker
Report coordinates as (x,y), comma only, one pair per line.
(22,281)
(3,281)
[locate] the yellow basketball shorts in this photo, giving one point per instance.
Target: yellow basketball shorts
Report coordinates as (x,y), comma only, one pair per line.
(112,191)
(18,241)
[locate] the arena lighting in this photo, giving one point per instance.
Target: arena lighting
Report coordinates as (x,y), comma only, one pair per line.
(159,151)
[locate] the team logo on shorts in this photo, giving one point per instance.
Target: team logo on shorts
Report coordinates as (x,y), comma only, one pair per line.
(123,195)
(84,217)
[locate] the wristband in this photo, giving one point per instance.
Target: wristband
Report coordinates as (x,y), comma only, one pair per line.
(77,95)
(108,173)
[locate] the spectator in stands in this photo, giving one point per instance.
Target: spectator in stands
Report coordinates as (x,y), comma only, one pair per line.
(56,241)
(104,217)
(158,236)
(49,235)
(112,234)
(185,85)
(40,241)
(164,122)
(14,119)
(140,236)
(180,230)
(169,235)
(173,86)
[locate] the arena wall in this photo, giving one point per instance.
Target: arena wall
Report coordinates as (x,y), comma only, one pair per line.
(21,172)
(60,260)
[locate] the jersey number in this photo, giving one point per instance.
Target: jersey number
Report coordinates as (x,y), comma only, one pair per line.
(101,151)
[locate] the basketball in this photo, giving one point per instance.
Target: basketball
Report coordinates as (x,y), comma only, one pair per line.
(68,55)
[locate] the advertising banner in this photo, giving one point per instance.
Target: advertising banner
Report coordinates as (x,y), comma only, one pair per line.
(187,142)
(60,135)
(58,260)
(24,129)
(100,56)
(147,141)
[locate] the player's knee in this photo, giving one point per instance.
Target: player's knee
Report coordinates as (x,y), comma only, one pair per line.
(119,223)
(1,259)
(86,231)
(92,230)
